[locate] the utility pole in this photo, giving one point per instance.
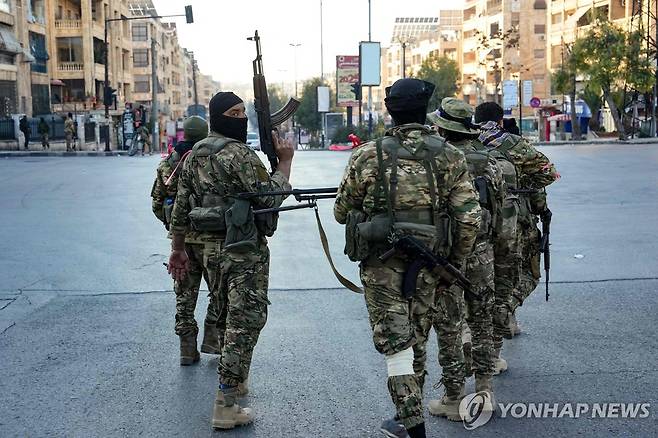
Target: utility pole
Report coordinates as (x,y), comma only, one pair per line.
(404,59)
(322,115)
(299,132)
(196,94)
(154,97)
(369,86)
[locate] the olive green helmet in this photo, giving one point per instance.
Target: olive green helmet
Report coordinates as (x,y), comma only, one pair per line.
(195,129)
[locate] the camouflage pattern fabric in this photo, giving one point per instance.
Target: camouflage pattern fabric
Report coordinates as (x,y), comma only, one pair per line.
(233,169)
(244,279)
(397,323)
(202,259)
(160,191)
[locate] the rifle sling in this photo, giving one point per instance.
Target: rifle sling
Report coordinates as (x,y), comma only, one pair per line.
(325,246)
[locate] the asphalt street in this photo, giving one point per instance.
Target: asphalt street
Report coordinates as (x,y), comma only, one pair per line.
(86,310)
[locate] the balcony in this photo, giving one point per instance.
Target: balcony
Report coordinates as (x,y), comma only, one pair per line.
(68,24)
(70,66)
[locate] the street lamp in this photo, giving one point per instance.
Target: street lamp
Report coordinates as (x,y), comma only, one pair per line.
(299,132)
(403,42)
(107,90)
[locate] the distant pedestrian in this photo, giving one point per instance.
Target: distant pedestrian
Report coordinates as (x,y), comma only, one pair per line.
(24,127)
(69,131)
(44,131)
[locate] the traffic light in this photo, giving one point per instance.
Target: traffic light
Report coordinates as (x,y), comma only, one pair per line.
(189,18)
(356,89)
(109,95)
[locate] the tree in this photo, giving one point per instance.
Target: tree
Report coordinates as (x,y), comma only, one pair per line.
(565,82)
(443,72)
(610,57)
(307,115)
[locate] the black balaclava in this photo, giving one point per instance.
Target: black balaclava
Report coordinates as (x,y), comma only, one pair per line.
(407,99)
(232,127)
(183,146)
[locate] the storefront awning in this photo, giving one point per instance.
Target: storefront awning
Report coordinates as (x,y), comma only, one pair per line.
(57,83)
(559,118)
(27,56)
(572,21)
(8,42)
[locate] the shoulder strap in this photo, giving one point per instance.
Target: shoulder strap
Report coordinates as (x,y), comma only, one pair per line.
(181,161)
(381,180)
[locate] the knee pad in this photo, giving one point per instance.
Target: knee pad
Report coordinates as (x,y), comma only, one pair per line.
(401,364)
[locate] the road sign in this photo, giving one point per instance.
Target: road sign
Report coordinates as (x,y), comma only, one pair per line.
(527,92)
(535,102)
(510,94)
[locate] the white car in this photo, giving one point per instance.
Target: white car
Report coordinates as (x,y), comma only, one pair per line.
(253,141)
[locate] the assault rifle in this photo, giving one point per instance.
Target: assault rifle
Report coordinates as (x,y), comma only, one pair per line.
(422,257)
(306,198)
(266,121)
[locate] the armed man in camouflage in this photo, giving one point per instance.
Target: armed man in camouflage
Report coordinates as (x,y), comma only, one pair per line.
(408,183)
(454,122)
(533,171)
(163,195)
(236,256)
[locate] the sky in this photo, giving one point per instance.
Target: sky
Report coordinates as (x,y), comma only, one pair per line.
(219,33)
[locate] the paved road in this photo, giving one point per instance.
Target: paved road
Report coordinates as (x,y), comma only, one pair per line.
(86,319)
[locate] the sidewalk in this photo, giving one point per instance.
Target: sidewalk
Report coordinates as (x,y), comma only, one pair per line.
(650,140)
(58,149)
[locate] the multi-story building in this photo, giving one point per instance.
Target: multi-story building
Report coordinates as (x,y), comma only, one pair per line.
(24,72)
(77,61)
(498,45)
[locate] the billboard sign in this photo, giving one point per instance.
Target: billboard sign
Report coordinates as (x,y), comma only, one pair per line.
(527,92)
(510,94)
(347,73)
(323,99)
(370,63)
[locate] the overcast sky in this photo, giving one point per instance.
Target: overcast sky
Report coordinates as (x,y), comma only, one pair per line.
(218,35)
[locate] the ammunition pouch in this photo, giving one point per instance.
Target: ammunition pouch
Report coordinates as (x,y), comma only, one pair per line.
(266,223)
(241,230)
(210,216)
(357,247)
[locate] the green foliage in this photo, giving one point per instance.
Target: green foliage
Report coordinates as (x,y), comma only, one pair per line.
(307,115)
(276,97)
(594,100)
(443,72)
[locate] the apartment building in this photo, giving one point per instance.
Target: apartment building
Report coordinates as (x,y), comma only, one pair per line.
(24,71)
(498,45)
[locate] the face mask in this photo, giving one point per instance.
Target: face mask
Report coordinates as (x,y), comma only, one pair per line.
(232,127)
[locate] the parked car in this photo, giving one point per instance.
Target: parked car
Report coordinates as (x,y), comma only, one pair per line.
(253,141)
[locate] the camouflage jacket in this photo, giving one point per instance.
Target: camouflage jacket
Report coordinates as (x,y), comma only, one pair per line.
(69,127)
(453,186)
(234,169)
(494,175)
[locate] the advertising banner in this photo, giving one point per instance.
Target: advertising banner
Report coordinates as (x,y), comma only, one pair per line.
(347,73)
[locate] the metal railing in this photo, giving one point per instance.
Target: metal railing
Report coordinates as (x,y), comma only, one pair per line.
(7,129)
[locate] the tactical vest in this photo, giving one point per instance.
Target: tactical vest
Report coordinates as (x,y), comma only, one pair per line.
(365,235)
(216,207)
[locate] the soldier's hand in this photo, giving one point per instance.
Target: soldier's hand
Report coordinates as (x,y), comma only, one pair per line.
(178,265)
(284,149)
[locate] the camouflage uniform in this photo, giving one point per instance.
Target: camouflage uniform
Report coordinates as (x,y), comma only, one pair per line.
(534,171)
(199,251)
(397,323)
(221,168)
(69,133)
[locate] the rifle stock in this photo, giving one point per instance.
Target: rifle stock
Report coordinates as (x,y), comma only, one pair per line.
(266,121)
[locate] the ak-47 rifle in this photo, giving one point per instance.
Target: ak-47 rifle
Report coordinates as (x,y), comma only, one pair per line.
(266,121)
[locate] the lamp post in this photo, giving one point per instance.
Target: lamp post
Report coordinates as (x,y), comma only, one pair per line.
(107,91)
(299,132)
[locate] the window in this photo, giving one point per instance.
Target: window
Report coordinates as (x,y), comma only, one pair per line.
(38,50)
(69,49)
(142,84)
(540,28)
(539,53)
(99,51)
(140,32)
(495,28)
(539,4)
(7,58)
(40,99)
(8,93)
(140,58)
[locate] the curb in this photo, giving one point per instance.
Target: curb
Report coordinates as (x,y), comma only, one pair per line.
(598,142)
(22,154)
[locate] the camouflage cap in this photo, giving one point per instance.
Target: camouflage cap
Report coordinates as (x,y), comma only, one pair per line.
(195,129)
(454,115)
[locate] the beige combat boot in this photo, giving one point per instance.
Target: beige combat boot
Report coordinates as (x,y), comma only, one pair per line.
(227,413)
(448,406)
(210,344)
(188,351)
(515,329)
(484,384)
(500,364)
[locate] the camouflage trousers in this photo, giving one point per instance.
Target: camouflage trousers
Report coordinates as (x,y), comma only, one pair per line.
(479,305)
(530,273)
(202,260)
(507,265)
(447,322)
(398,324)
(243,279)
